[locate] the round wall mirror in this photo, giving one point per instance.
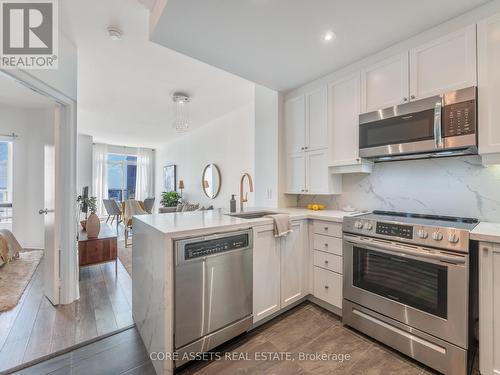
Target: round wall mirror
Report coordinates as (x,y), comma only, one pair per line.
(211,181)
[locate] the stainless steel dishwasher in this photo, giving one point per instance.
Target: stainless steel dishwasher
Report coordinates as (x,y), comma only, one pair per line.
(213,291)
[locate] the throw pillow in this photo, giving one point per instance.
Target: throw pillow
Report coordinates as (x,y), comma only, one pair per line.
(180,207)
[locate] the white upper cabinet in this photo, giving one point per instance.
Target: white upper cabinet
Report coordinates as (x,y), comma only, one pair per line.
(316,119)
(306,121)
(317,175)
(444,64)
(385,84)
(293,264)
(296,173)
(488,37)
(295,117)
(306,127)
(344,107)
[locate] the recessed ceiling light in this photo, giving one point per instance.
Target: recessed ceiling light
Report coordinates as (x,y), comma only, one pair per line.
(114,33)
(328,36)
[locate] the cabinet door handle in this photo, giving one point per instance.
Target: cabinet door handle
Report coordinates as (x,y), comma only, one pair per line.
(405,99)
(305,148)
(412,97)
(326,286)
(326,262)
(326,245)
(326,228)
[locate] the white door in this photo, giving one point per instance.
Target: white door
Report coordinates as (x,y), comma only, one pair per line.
(444,64)
(385,84)
(296,173)
(344,117)
(51,251)
(293,264)
(295,123)
(488,55)
(317,175)
(316,119)
(266,272)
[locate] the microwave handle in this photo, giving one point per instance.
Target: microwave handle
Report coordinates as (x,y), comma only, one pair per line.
(438,136)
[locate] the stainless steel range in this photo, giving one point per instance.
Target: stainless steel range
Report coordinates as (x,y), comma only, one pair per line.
(410,281)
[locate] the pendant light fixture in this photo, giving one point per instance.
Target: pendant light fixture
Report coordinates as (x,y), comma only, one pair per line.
(181,111)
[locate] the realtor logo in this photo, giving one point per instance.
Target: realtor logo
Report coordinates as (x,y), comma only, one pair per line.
(29,34)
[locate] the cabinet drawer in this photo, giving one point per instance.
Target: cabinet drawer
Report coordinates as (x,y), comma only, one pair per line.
(328,286)
(329,244)
(329,261)
(327,228)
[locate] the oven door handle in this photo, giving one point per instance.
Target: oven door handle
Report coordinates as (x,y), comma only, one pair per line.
(438,137)
(391,249)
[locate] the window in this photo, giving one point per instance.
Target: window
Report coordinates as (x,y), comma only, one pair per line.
(122,170)
(5,181)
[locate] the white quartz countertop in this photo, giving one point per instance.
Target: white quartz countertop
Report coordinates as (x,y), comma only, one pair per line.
(488,232)
(187,223)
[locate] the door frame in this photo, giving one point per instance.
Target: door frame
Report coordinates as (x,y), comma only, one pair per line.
(65,182)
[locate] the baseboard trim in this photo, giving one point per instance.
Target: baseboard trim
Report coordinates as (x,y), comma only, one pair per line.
(333,309)
(64,351)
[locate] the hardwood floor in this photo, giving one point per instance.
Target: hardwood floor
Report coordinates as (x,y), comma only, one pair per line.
(307,329)
(35,328)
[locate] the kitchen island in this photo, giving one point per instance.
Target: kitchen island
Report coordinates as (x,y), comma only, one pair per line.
(153,264)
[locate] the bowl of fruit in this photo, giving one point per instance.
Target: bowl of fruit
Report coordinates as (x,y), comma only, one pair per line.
(316,206)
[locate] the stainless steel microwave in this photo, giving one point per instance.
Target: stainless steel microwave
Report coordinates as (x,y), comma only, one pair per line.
(442,125)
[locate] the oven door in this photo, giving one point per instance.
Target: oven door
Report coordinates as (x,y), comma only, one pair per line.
(421,287)
(406,129)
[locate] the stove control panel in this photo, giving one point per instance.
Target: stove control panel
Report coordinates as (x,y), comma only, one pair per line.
(395,230)
(421,235)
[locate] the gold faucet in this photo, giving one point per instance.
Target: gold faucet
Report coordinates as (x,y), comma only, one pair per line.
(250,186)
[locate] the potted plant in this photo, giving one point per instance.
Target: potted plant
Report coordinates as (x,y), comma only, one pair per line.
(93,225)
(170,199)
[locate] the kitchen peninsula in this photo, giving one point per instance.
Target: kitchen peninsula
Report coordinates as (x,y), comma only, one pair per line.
(282,273)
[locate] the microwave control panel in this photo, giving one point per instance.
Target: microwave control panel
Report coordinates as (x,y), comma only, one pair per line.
(459,118)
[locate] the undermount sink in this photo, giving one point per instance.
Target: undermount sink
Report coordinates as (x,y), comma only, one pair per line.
(253,214)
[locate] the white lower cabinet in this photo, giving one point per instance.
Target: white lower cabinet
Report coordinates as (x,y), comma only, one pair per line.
(266,272)
(327,262)
(489,308)
(293,260)
(328,286)
(279,269)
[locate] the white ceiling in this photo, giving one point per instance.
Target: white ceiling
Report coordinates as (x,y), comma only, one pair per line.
(125,87)
(277,43)
(15,94)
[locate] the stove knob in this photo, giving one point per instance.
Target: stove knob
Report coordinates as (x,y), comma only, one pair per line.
(453,238)
(369,226)
(358,225)
(436,236)
(423,234)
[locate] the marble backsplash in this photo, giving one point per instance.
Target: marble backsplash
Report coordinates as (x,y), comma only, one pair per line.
(458,186)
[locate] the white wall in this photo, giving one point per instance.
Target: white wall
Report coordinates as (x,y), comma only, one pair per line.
(64,78)
(266,152)
(34,128)
(84,160)
(227,141)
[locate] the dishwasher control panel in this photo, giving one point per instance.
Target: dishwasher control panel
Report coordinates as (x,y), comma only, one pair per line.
(208,247)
